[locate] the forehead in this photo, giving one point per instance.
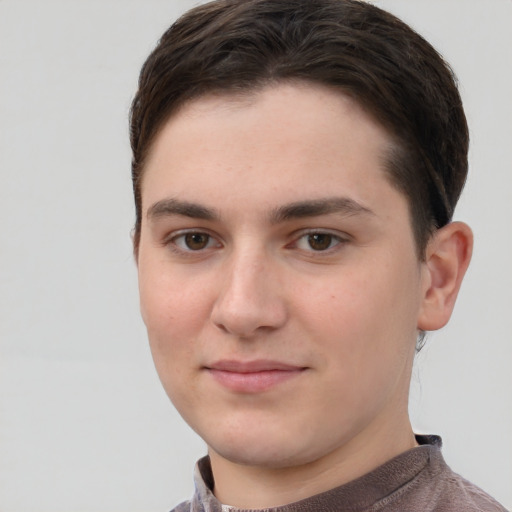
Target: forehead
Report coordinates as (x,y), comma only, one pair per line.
(297,125)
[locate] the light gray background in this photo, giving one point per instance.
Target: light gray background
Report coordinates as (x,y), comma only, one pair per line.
(84,424)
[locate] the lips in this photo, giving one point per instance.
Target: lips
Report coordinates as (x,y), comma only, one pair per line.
(252,376)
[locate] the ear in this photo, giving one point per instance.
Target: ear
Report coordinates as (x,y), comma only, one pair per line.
(447,259)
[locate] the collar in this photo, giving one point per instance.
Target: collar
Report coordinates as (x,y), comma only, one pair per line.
(381,484)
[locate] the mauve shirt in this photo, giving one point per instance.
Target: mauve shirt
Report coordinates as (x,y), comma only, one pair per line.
(418,480)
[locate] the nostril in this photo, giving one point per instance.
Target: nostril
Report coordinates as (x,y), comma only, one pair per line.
(245,322)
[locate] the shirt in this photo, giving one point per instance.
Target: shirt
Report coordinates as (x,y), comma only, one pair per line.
(418,480)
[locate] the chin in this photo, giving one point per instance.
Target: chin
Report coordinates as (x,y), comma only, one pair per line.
(265,449)
(271,440)
(266,456)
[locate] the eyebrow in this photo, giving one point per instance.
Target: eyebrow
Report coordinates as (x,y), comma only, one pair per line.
(317,207)
(170,206)
(296,210)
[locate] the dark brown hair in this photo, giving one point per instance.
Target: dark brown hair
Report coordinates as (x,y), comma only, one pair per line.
(239,46)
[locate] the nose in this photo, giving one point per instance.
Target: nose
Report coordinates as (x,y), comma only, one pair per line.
(250,300)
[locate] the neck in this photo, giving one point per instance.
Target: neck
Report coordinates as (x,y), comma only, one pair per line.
(245,486)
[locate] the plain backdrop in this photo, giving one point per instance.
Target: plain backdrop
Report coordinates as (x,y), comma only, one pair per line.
(84,423)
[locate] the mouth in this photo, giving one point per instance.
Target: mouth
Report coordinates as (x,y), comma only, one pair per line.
(252,376)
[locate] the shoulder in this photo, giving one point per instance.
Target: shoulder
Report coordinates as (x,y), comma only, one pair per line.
(459,494)
(183,507)
(437,488)
(447,491)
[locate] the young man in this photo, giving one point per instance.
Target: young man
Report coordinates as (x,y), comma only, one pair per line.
(296,166)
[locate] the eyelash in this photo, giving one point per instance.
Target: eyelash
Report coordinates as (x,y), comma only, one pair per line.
(178,242)
(173,242)
(335,241)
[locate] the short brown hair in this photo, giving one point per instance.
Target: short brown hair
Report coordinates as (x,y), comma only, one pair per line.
(236,46)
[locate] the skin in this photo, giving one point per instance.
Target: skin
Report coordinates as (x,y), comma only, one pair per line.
(271,235)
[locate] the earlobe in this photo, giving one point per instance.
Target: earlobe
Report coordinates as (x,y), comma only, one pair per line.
(447,259)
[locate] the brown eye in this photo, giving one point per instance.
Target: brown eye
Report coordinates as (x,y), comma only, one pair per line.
(196,241)
(193,242)
(320,241)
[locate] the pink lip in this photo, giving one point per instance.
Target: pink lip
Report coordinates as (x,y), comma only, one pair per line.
(252,376)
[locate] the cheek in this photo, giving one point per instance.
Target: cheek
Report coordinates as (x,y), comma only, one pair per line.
(363,314)
(174,315)
(342,303)
(365,336)
(173,323)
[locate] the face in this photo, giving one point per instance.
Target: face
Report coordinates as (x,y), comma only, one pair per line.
(279,278)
